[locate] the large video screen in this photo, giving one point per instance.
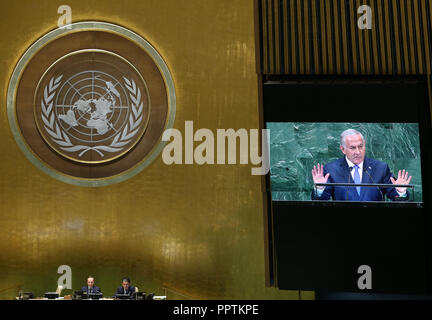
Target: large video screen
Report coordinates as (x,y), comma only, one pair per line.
(386,153)
(362,132)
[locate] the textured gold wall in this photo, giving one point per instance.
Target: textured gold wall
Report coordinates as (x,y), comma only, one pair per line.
(322,37)
(195,229)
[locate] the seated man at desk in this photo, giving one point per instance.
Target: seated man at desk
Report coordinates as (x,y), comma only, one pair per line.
(125,288)
(356,168)
(91,288)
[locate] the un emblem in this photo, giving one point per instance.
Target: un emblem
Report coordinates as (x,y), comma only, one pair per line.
(92,106)
(88,106)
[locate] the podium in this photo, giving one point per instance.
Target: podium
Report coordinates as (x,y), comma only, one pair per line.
(372,185)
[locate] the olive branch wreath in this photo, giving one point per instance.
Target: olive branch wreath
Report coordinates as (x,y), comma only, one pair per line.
(60,137)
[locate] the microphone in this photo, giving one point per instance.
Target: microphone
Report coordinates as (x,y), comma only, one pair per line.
(366,170)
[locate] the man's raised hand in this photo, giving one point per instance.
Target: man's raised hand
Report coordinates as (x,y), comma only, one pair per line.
(402,179)
(318,175)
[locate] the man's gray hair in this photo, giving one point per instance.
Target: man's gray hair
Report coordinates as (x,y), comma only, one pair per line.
(349,132)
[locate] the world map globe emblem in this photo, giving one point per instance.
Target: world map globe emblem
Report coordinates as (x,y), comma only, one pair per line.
(91,106)
(91,111)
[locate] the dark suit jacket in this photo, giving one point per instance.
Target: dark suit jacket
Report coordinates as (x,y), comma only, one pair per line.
(120,290)
(95,289)
(374,171)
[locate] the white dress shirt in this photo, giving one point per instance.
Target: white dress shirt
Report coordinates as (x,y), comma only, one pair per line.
(360,169)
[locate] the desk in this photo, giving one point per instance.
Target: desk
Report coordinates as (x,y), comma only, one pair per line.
(70,298)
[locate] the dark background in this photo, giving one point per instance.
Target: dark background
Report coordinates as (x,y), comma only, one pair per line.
(319,246)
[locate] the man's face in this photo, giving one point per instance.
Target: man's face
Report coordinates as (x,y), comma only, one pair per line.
(125,284)
(354,149)
(90,282)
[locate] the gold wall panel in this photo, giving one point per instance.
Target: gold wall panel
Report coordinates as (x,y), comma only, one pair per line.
(195,229)
(321,37)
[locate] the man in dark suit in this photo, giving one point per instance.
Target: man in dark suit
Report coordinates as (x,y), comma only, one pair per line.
(355,167)
(126,287)
(90,288)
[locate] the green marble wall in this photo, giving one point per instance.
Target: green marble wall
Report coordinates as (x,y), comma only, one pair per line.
(295,147)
